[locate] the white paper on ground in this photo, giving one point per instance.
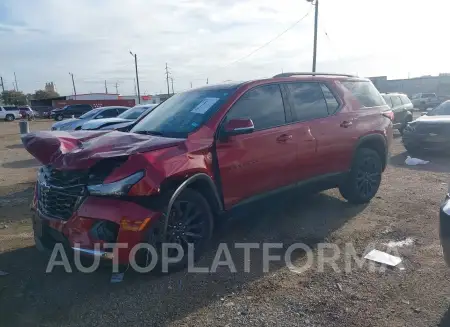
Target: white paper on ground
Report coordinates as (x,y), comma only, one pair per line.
(383,257)
(414,161)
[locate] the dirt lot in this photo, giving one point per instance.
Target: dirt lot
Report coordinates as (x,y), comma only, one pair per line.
(406,206)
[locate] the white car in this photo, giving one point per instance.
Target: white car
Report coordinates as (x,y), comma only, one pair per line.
(9,113)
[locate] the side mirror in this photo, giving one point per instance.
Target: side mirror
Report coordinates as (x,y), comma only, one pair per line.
(237,127)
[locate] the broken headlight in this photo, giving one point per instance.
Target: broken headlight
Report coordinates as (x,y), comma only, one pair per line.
(118,188)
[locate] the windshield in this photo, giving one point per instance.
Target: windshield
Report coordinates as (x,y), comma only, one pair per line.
(89,114)
(388,100)
(442,109)
(183,113)
(133,113)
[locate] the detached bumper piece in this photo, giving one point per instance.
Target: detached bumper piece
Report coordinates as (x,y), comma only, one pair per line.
(445,229)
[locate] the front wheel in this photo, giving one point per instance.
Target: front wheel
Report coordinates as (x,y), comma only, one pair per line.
(190,221)
(364,178)
(59,117)
(9,118)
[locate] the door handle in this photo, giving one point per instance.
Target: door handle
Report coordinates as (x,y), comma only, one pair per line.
(346,124)
(284,138)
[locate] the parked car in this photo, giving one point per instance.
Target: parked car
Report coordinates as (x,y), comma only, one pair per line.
(98,113)
(75,110)
(204,153)
(26,112)
(9,113)
(444,227)
(402,108)
(430,132)
(122,121)
(425,100)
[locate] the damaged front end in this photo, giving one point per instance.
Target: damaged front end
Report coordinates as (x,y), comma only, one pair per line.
(96,189)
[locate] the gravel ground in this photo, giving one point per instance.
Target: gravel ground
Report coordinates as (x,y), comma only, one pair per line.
(406,207)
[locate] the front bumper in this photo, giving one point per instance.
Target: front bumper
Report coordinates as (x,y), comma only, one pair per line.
(78,233)
(444,229)
(428,141)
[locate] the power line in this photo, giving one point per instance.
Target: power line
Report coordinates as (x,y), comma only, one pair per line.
(262,46)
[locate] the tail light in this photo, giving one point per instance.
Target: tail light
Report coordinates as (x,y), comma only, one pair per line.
(389,114)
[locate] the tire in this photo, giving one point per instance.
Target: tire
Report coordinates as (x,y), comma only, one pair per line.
(59,117)
(364,178)
(10,117)
(199,222)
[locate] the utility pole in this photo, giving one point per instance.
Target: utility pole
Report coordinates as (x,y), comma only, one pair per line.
(135,91)
(207,80)
(117,88)
(316,21)
(167,79)
(74,89)
(3,85)
(171,79)
(15,78)
(106,88)
(191,85)
(137,76)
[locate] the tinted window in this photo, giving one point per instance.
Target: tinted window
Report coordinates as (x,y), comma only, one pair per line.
(122,110)
(396,101)
(108,113)
(184,112)
(331,101)
(11,108)
(366,93)
(442,109)
(387,98)
(263,105)
(89,114)
(405,99)
(307,100)
(428,95)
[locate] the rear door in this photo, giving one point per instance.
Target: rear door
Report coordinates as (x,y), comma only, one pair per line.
(264,160)
(107,113)
(399,110)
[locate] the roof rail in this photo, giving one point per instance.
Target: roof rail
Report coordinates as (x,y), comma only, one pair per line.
(311,73)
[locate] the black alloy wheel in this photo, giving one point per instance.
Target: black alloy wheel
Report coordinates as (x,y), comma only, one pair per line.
(364,178)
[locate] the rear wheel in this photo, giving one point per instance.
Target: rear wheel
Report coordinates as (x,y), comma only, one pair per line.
(190,221)
(9,117)
(364,179)
(59,117)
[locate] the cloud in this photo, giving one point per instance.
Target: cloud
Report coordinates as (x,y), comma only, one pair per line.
(199,39)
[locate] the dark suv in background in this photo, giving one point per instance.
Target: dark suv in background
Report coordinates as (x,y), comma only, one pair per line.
(204,153)
(402,108)
(75,110)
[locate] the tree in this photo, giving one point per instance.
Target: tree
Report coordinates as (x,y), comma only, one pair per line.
(13,98)
(41,94)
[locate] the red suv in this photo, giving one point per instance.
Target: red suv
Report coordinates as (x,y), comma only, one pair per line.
(201,154)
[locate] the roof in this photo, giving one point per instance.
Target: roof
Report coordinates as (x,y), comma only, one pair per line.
(224,86)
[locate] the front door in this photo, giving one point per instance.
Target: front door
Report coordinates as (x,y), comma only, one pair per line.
(261,161)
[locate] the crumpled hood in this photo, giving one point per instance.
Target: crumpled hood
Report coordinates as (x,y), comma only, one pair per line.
(96,123)
(82,149)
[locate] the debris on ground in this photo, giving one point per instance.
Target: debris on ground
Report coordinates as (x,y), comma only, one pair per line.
(398,244)
(3,273)
(117,278)
(383,258)
(4,226)
(339,286)
(415,161)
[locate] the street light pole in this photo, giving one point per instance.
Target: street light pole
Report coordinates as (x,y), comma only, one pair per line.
(316,21)
(137,76)
(73,83)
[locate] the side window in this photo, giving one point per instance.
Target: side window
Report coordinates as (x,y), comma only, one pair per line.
(396,101)
(387,98)
(331,101)
(307,100)
(11,108)
(108,113)
(120,110)
(405,99)
(263,105)
(365,93)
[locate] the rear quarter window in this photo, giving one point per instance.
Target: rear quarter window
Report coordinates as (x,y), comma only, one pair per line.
(405,99)
(365,92)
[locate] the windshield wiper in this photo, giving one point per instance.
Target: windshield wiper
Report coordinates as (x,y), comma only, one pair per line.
(150,133)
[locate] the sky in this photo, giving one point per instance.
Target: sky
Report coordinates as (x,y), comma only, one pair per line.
(44,40)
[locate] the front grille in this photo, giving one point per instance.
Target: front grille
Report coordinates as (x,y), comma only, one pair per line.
(60,192)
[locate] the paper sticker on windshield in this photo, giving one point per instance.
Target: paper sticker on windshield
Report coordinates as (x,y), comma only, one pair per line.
(205,105)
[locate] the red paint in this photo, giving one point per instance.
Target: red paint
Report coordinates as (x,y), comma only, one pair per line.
(249,164)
